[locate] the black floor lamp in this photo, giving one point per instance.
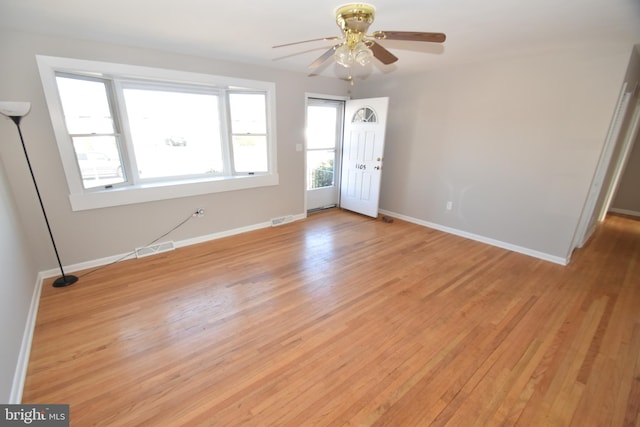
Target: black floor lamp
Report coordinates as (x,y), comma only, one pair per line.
(16,111)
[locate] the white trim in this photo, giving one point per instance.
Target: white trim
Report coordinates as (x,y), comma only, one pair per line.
(178,244)
(621,165)
(25,349)
(337,167)
(140,194)
(497,243)
(20,374)
(625,212)
(631,132)
(323,96)
(233,232)
(588,220)
(82,199)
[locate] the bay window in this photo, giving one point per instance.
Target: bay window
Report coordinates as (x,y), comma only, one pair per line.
(129,134)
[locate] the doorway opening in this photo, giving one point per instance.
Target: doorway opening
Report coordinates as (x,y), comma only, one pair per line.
(323,155)
(623,130)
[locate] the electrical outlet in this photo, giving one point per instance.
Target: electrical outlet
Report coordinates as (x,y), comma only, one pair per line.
(449,205)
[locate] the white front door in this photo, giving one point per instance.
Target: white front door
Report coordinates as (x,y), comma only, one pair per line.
(324,137)
(362,154)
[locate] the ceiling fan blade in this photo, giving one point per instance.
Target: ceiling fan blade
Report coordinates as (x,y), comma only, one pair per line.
(382,54)
(415,36)
(307,41)
(328,54)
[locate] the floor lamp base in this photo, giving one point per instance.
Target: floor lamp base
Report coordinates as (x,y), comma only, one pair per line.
(65,280)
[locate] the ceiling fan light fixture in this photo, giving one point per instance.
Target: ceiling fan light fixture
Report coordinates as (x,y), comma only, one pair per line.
(357,46)
(347,56)
(344,56)
(362,54)
(355,16)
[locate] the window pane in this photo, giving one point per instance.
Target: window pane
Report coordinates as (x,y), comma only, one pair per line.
(364,115)
(248,113)
(85,105)
(321,127)
(320,167)
(250,153)
(99,160)
(174,133)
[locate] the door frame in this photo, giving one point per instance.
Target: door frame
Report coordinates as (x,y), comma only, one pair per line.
(338,164)
(630,138)
(601,190)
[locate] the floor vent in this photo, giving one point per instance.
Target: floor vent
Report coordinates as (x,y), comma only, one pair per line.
(281,220)
(155,249)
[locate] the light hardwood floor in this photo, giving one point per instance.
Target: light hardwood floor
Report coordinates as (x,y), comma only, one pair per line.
(343,320)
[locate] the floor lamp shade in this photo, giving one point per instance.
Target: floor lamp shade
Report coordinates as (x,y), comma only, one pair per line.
(11,109)
(16,111)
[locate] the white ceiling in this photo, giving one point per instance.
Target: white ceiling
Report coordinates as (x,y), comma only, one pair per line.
(244,30)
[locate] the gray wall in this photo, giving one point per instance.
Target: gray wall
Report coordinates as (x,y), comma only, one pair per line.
(89,235)
(512,143)
(19,274)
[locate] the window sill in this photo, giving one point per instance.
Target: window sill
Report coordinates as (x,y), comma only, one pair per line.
(148,193)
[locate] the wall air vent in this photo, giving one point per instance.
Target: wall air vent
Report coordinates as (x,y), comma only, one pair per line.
(155,249)
(281,220)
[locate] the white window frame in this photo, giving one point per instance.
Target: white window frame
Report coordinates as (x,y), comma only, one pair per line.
(82,199)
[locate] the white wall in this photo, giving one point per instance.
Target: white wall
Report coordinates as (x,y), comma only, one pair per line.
(89,235)
(19,276)
(512,143)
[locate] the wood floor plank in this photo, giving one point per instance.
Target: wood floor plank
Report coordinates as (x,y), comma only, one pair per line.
(339,319)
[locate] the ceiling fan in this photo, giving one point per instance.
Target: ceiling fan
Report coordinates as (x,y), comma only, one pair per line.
(356,45)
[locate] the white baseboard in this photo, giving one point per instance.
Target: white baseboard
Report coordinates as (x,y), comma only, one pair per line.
(20,374)
(624,212)
(178,244)
(522,250)
(220,235)
(21,369)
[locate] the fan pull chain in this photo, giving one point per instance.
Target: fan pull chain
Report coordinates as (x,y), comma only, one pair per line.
(350,78)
